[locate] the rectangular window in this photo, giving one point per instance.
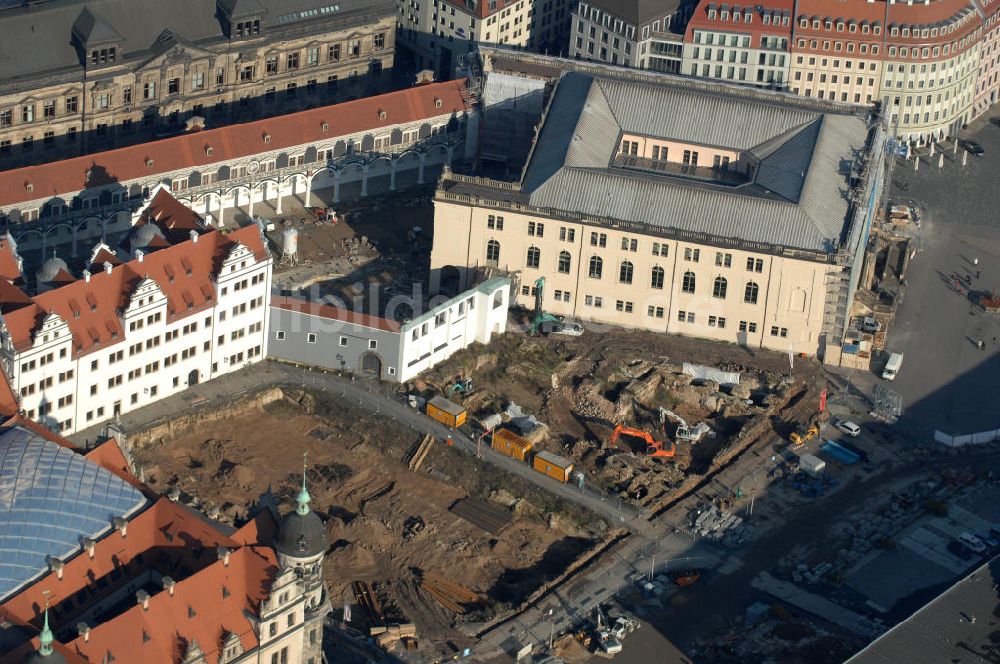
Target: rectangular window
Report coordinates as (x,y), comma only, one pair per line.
(311,337)
(173,86)
(149,90)
(292,61)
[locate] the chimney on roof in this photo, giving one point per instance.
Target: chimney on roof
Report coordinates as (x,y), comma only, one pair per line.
(194,235)
(55,565)
(121,524)
(168,585)
(223,555)
(107,267)
(88,545)
(83,629)
(142,597)
(86,276)
(139,255)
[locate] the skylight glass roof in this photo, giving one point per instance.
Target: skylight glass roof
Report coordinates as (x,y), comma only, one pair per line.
(50,497)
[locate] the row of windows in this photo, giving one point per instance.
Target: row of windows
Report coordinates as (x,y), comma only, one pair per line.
(46,383)
(312,337)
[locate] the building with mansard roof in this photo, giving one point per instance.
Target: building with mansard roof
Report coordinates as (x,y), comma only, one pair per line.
(79,77)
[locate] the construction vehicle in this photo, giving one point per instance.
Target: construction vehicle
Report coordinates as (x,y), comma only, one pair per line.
(803,433)
(654,448)
(541,318)
(605,640)
(684,432)
(623,626)
(463,387)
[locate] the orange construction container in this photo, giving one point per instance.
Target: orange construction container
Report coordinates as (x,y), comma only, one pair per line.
(446,412)
(553,465)
(507,442)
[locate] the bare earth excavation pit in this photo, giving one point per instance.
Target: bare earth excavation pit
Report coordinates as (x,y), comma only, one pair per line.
(388,526)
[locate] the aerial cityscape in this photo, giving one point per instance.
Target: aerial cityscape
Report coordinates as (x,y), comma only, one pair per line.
(534,331)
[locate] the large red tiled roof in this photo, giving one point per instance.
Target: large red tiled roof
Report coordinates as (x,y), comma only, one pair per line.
(204,608)
(92,308)
(231,142)
(210,597)
(756,29)
(333,313)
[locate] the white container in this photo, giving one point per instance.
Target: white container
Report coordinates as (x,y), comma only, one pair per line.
(290,241)
(812,465)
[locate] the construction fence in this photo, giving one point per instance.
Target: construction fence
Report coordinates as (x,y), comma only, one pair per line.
(978,438)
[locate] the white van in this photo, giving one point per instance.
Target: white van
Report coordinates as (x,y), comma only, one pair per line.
(892,366)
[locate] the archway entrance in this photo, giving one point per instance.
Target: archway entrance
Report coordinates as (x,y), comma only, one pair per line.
(451,279)
(371,365)
(193,377)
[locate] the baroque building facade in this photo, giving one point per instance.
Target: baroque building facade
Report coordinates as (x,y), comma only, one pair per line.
(81,77)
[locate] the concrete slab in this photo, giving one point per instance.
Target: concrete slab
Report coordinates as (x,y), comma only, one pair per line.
(894,575)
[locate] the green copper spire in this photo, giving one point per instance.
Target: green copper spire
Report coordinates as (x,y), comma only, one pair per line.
(45,638)
(303,498)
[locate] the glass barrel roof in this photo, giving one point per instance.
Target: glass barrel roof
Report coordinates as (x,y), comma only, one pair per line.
(50,497)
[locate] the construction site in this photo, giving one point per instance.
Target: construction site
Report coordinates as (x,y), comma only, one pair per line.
(633,410)
(424,540)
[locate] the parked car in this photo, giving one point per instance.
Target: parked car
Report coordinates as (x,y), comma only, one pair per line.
(971,541)
(960,550)
(975,149)
(850,428)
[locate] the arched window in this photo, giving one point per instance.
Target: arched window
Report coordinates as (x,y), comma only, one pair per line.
(719,288)
(625,272)
(687,285)
(656,279)
(534,257)
(596,267)
(493,251)
(564,262)
(750,294)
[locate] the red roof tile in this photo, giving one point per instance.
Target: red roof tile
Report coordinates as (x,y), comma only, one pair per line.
(184,539)
(333,313)
(91,308)
(204,608)
(232,142)
(8,402)
(9,268)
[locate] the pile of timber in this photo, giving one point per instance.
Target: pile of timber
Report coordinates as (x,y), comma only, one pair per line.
(387,636)
(450,595)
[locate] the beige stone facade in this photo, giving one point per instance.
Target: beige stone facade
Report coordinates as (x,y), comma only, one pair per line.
(122,90)
(607,275)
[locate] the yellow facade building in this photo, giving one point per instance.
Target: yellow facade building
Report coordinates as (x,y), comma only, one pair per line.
(677,206)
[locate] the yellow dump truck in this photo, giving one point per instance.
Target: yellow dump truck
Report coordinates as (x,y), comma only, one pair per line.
(446,412)
(553,465)
(509,443)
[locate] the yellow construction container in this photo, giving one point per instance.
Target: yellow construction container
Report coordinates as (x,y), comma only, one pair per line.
(553,465)
(446,412)
(509,443)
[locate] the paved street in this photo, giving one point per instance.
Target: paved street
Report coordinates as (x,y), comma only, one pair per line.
(947,383)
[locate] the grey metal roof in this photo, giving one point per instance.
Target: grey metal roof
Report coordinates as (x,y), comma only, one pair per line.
(50,497)
(93,29)
(957,627)
(37,38)
(638,12)
(798,196)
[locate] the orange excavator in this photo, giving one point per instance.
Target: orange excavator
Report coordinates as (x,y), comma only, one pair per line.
(654,448)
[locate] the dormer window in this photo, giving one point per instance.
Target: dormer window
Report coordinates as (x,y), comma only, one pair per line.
(247,28)
(100,56)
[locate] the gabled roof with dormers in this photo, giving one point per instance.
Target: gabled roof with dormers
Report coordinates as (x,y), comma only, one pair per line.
(92,307)
(198,150)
